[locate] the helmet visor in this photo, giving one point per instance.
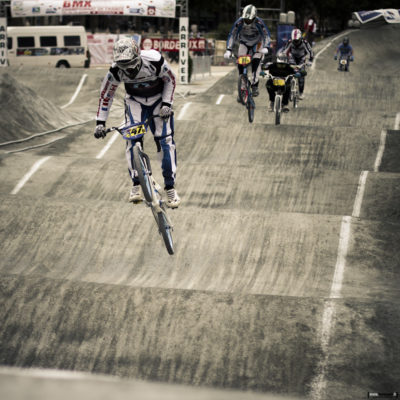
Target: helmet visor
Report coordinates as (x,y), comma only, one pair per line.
(129,66)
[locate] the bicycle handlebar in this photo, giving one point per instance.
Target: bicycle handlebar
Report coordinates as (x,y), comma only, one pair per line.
(145,122)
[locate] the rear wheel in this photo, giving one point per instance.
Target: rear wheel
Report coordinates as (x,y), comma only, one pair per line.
(166,232)
(143,173)
(277,109)
(242,89)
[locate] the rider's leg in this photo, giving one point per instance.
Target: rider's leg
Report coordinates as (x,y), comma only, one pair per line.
(133,113)
(242,51)
(164,137)
(256,67)
(271,94)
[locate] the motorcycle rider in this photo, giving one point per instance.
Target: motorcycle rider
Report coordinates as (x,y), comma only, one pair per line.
(298,51)
(345,50)
(149,84)
(254,39)
(282,69)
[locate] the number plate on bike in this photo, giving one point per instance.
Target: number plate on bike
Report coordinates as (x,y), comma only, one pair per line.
(343,62)
(278,82)
(134,132)
(244,60)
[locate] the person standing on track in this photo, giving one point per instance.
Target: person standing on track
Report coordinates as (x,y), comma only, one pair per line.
(149,84)
(254,39)
(299,52)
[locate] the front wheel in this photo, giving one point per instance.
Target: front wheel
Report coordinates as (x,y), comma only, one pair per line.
(250,109)
(143,172)
(277,108)
(242,89)
(166,232)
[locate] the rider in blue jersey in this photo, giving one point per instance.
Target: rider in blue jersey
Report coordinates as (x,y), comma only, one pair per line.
(254,39)
(345,50)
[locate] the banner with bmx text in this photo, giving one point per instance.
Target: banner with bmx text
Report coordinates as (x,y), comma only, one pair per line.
(142,8)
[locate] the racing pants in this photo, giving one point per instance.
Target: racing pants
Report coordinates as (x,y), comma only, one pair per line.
(163,133)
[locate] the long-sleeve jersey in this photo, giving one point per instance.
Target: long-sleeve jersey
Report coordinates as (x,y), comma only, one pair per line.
(299,53)
(249,35)
(155,79)
(344,50)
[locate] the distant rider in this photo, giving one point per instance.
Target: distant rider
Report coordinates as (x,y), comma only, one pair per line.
(299,52)
(149,84)
(280,68)
(254,39)
(345,50)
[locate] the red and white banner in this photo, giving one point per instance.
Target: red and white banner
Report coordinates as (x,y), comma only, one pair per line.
(142,8)
(172,44)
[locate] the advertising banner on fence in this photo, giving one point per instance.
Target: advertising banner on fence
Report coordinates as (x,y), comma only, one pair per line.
(142,8)
(172,44)
(390,15)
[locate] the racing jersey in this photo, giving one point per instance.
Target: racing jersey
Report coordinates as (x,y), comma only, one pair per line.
(279,69)
(249,35)
(298,54)
(154,80)
(344,50)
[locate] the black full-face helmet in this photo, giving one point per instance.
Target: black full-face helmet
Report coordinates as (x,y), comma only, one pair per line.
(346,41)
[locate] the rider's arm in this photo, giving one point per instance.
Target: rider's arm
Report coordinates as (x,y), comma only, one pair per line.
(309,50)
(107,92)
(169,80)
(264,32)
(233,34)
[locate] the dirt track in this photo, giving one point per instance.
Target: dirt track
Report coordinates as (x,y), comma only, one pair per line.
(86,284)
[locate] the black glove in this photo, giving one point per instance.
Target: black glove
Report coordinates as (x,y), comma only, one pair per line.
(100,131)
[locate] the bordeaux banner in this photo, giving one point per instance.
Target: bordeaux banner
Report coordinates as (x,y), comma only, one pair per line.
(142,8)
(172,44)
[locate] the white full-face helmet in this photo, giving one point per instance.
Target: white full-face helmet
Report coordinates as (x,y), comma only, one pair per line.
(126,54)
(249,14)
(296,37)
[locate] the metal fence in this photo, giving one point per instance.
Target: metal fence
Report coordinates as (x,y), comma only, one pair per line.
(201,67)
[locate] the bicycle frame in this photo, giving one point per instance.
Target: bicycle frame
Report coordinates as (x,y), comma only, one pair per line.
(244,87)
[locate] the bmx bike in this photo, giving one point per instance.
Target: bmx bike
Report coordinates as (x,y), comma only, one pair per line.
(151,189)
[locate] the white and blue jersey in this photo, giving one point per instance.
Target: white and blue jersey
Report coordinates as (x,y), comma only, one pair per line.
(249,35)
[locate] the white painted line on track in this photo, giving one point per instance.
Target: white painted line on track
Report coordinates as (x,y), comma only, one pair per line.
(108,145)
(322,50)
(344,239)
(381,149)
(221,96)
(397,122)
(318,385)
(78,89)
(360,194)
(28,175)
(183,111)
